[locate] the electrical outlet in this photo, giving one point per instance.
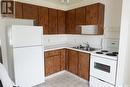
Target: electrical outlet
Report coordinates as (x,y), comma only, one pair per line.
(49,40)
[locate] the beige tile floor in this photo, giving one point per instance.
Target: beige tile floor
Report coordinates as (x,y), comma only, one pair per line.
(64,80)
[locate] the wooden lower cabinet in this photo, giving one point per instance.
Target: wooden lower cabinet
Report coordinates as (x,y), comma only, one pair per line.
(79,63)
(75,62)
(52,65)
(48,65)
(66,60)
(84,65)
(54,61)
(63,57)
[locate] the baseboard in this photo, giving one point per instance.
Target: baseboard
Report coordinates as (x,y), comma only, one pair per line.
(67,72)
(76,76)
(55,74)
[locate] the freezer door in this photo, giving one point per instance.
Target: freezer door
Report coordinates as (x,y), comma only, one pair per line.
(28,66)
(23,36)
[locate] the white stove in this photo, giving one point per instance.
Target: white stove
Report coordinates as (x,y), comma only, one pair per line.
(106,54)
(103,68)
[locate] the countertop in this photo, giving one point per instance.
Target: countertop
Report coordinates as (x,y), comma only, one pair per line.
(57,46)
(64,46)
(69,46)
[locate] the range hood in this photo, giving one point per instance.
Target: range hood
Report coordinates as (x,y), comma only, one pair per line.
(89,29)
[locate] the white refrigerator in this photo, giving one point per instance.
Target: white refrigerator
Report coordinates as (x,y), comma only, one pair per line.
(25,55)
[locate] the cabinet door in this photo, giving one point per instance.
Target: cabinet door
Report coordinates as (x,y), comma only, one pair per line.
(73,61)
(43,19)
(84,65)
(95,16)
(30,12)
(66,59)
(63,56)
(18,10)
(61,22)
(52,21)
(92,14)
(80,16)
(70,22)
(56,63)
(48,66)
(101,19)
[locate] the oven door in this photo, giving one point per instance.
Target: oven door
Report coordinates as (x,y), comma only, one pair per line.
(104,69)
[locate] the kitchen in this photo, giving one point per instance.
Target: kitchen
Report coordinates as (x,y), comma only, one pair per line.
(55,39)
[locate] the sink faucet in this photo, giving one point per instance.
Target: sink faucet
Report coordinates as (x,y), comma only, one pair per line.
(87,45)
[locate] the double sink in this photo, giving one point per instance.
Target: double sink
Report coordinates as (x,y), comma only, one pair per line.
(85,48)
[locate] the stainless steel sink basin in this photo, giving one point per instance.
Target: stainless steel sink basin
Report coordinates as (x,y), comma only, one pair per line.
(90,49)
(85,48)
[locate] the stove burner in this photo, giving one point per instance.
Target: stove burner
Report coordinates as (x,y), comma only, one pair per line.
(99,52)
(104,50)
(115,53)
(111,54)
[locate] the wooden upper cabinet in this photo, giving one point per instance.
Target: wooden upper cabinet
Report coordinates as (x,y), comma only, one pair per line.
(53,21)
(43,19)
(92,14)
(73,61)
(18,10)
(81,16)
(30,12)
(70,22)
(61,22)
(95,16)
(84,65)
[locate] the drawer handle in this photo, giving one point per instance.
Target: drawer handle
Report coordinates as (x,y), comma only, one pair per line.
(101,80)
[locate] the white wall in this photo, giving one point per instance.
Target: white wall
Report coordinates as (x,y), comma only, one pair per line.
(94,41)
(123,76)
(2,37)
(54,39)
(3,43)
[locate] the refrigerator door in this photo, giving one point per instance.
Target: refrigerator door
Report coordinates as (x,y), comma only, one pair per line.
(24,36)
(28,66)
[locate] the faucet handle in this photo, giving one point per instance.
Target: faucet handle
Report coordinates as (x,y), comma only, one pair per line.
(87,44)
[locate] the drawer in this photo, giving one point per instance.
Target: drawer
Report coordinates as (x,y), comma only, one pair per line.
(104,69)
(52,53)
(94,82)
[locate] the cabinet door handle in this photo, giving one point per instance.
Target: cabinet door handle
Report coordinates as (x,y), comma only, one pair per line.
(79,68)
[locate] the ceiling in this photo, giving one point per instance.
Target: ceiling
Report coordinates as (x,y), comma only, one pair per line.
(58,4)
(70,1)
